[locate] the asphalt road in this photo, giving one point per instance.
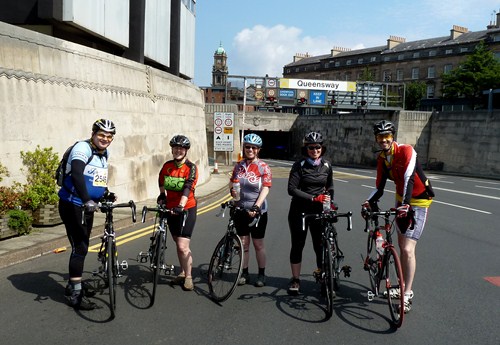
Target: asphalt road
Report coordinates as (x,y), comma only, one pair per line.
(456,288)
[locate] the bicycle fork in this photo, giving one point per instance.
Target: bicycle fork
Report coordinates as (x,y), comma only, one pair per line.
(102,257)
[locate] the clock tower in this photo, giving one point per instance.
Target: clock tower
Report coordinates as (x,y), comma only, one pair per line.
(219,69)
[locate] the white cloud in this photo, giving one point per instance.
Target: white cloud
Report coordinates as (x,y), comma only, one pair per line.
(265,50)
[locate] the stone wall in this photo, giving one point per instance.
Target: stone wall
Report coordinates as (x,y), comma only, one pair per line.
(51,91)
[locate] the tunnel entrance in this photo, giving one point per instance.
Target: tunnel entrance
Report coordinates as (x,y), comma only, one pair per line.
(276,144)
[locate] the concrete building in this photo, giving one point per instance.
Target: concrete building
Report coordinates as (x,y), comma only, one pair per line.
(157,33)
(398,60)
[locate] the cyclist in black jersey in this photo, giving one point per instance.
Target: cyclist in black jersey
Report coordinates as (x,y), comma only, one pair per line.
(310,184)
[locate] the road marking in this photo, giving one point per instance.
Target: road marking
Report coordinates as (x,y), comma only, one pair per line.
(479,181)
(487,187)
(493,280)
(441,202)
(468,193)
(133,235)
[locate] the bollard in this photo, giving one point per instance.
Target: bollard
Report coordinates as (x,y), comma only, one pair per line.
(216,168)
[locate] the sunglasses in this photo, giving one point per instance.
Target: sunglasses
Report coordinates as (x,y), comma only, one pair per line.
(251,148)
(311,148)
(386,136)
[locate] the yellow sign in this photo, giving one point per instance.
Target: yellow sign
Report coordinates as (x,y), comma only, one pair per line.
(228,130)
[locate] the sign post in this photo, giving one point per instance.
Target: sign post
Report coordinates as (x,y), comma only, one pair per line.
(223,133)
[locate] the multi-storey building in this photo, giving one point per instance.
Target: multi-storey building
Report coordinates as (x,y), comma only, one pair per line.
(398,61)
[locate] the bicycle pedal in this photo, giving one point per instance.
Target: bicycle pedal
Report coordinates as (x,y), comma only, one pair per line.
(370,296)
(169,269)
(143,257)
(124,265)
(347,270)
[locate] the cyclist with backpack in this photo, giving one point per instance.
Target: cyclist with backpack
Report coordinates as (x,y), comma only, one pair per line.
(84,183)
(310,184)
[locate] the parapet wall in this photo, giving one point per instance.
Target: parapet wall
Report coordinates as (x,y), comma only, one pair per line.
(51,91)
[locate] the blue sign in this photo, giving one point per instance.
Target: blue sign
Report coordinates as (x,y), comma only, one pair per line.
(317,97)
(287,93)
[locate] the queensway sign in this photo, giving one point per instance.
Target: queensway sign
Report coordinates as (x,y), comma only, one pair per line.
(310,84)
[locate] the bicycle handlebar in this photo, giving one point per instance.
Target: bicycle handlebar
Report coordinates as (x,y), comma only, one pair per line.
(231,205)
(367,214)
(330,216)
(163,211)
(108,206)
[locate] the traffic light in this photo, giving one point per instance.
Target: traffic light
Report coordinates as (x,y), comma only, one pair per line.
(301,101)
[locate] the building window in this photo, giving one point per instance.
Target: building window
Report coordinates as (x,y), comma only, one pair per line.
(399,75)
(416,55)
(337,64)
(414,73)
(464,50)
(431,72)
(401,56)
(387,59)
(348,62)
(430,91)
(432,53)
(449,51)
(348,76)
(327,65)
(447,68)
(297,70)
(360,61)
(373,59)
(387,75)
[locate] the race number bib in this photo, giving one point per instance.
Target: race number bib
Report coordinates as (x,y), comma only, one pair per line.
(175,184)
(100,178)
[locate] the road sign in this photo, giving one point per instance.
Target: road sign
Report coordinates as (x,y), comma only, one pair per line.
(223,131)
(308,84)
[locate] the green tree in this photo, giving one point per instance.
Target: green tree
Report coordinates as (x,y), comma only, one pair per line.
(414,93)
(479,72)
(366,75)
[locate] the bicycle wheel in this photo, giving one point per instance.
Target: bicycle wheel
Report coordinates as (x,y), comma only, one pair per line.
(372,263)
(395,286)
(336,260)
(110,273)
(225,267)
(156,263)
(328,275)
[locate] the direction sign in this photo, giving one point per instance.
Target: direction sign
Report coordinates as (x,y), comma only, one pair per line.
(223,131)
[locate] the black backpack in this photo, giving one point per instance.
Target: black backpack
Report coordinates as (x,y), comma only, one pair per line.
(61,174)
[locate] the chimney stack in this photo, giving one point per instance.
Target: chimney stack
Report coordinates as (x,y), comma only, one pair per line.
(336,50)
(394,41)
(300,56)
(457,31)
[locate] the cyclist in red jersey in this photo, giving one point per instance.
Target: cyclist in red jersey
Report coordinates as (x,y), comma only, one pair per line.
(398,162)
(177,181)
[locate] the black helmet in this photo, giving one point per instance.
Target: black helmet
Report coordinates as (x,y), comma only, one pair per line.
(180,140)
(313,138)
(104,125)
(384,127)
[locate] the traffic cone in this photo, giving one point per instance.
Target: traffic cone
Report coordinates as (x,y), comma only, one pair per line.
(216,168)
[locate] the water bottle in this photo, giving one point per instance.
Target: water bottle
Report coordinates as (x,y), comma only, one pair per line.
(326,205)
(379,243)
(236,188)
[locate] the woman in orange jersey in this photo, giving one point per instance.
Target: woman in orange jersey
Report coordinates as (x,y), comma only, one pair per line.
(177,182)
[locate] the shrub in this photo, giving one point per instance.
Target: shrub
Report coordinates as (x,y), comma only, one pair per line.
(19,221)
(10,198)
(41,188)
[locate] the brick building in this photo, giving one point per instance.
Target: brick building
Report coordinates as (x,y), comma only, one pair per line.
(398,61)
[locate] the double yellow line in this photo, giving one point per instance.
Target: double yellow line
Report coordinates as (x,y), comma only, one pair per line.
(133,235)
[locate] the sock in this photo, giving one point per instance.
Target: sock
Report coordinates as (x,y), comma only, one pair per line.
(262,271)
(245,270)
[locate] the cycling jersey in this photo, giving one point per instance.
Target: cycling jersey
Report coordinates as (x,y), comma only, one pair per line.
(178,181)
(307,181)
(401,166)
(252,178)
(95,174)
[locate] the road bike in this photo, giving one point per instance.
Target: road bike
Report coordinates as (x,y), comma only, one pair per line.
(226,263)
(158,245)
(382,262)
(332,256)
(109,268)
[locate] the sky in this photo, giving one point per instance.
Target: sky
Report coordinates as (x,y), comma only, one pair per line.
(262,36)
